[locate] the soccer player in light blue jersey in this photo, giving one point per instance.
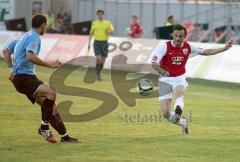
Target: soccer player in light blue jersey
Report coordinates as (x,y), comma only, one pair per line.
(25,81)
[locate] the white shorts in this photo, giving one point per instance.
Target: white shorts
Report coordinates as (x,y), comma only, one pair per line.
(167,84)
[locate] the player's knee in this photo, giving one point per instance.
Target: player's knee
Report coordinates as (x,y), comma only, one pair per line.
(51,95)
(99,61)
(179,94)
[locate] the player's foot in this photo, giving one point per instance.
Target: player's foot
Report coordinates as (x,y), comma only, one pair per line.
(178,112)
(71,140)
(185,127)
(98,78)
(47,135)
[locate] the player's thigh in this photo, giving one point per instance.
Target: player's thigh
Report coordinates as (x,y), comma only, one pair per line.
(179,91)
(104,49)
(40,99)
(97,48)
(164,90)
(46,91)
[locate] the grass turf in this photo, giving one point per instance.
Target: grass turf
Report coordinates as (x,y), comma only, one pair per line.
(214,130)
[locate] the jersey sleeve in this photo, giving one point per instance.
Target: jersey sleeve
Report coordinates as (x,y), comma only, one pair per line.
(33,46)
(11,46)
(196,50)
(159,52)
(92,28)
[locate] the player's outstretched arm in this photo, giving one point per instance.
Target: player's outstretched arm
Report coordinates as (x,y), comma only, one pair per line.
(7,56)
(33,58)
(214,51)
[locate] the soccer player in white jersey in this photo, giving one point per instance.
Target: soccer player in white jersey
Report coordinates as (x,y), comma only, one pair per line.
(169,60)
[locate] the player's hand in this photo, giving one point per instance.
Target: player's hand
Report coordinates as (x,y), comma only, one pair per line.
(55,64)
(11,77)
(166,73)
(228,44)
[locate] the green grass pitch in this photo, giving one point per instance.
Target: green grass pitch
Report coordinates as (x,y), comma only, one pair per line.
(214,129)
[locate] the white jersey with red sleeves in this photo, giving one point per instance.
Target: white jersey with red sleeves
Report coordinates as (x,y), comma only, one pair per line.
(174,59)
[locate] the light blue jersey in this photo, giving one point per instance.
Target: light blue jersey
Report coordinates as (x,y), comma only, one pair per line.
(11,46)
(29,42)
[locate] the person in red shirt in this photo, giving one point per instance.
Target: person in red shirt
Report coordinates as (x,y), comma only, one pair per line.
(136,30)
(169,60)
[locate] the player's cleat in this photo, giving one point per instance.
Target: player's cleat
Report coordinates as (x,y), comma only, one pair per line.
(178,112)
(47,135)
(98,78)
(71,140)
(185,127)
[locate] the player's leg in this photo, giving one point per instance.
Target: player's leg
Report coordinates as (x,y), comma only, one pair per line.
(178,93)
(55,118)
(102,53)
(165,97)
(45,97)
(166,108)
(99,65)
(97,50)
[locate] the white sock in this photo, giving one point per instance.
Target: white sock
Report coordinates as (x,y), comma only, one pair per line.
(182,122)
(64,135)
(172,118)
(179,102)
(43,123)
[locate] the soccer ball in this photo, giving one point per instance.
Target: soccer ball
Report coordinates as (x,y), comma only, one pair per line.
(144,87)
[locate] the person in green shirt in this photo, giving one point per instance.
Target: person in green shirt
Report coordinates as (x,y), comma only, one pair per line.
(170,21)
(51,21)
(100,30)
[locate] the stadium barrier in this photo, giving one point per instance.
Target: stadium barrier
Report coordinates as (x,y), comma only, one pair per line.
(222,67)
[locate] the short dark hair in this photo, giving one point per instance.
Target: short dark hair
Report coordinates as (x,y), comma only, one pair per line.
(135,16)
(100,11)
(170,17)
(180,27)
(38,20)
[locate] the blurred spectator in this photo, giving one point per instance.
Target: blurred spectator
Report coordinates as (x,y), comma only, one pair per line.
(60,27)
(66,18)
(51,21)
(170,21)
(135,30)
(61,14)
